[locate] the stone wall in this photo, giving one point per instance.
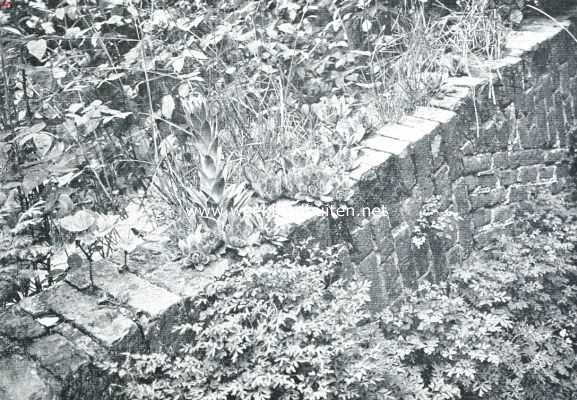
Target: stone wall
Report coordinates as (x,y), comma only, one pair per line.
(490,142)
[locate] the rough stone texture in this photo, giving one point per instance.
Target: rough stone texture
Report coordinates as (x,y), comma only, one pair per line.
(492,141)
(23,379)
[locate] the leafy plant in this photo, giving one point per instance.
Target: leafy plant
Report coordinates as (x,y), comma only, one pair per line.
(288,329)
(503,325)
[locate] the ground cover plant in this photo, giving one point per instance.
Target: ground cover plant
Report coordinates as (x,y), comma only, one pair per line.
(501,326)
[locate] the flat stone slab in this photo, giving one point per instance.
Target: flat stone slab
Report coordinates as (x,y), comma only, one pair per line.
(369,162)
(387,141)
(105,323)
(17,324)
(435,114)
(22,379)
(57,355)
(187,282)
(136,292)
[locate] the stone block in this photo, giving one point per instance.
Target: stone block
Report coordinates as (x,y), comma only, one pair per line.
(299,222)
(507,177)
(105,323)
(461,197)
(481,217)
(465,234)
(453,101)
(442,181)
(518,193)
(547,173)
(435,114)
(564,76)
(402,237)
(487,179)
(23,379)
(82,342)
(474,164)
(563,170)
(423,160)
(385,144)
(368,163)
(486,198)
(58,355)
(527,174)
(362,241)
(501,160)
(556,155)
(526,157)
(383,237)
(17,324)
(407,133)
(494,134)
(137,293)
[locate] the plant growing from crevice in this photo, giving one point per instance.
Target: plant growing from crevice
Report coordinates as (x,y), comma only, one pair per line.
(433,227)
(218,212)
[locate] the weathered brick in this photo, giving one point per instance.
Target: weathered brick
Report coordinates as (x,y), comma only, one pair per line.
(507,177)
(526,157)
(16,324)
(527,174)
(487,179)
(403,247)
(501,160)
(486,198)
(518,193)
(481,217)
(546,173)
(442,181)
(494,134)
(564,78)
(563,170)
(423,160)
(58,355)
(437,151)
(406,169)
(362,241)
(461,197)
(555,155)
(473,164)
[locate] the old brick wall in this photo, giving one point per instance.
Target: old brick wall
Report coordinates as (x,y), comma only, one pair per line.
(489,143)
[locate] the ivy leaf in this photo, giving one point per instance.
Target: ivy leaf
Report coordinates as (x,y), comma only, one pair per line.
(81,221)
(37,48)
